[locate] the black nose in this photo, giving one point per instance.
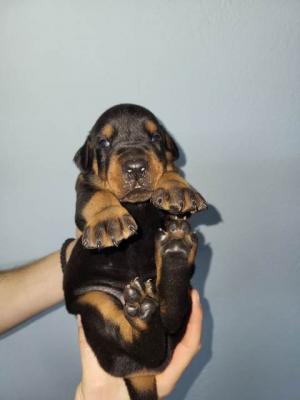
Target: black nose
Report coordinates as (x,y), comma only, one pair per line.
(135,167)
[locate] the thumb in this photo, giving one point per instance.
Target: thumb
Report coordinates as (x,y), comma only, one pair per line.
(91,370)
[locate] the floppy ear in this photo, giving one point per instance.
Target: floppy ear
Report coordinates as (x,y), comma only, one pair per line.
(84,157)
(172,151)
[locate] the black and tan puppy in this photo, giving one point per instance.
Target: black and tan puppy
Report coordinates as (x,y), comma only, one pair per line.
(133,295)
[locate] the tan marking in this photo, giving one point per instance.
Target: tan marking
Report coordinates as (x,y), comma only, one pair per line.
(150,126)
(95,167)
(192,254)
(155,169)
(170,167)
(158,263)
(97,181)
(171,180)
(107,131)
(169,156)
(115,177)
(111,312)
(145,383)
(98,202)
(142,372)
(168,152)
(102,207)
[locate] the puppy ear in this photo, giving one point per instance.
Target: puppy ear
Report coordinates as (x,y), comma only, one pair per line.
(172,152)
(84,157)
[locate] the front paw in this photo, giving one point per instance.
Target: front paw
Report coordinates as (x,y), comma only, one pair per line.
(178,200)
(177,240)
(108,228)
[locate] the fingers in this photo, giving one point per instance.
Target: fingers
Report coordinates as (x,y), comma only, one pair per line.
(184,351)
(192,337)
(90,367)
(95,382)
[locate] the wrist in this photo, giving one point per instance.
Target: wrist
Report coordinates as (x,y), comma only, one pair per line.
(84,393)
(111,390)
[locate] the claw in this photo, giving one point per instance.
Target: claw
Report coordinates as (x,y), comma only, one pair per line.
(150,288)
(115,242)
(149,284)
(137,283)
(162,230)
(132,228)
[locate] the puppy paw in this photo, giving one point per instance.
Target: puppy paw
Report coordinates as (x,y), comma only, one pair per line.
(177,239)
(140,298)
(108,228)
(178,200)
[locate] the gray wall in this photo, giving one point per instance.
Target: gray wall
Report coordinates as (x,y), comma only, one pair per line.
(224,78)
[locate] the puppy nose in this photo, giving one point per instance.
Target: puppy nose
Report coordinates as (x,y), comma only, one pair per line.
(136,167)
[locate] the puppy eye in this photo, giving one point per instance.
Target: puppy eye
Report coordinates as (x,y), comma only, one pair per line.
(104,143)
(155,137)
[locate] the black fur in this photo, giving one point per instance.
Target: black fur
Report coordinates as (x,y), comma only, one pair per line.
(166,257)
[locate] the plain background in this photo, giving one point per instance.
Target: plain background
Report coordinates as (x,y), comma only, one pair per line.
(224,77)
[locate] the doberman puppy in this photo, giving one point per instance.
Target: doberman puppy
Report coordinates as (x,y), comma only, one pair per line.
(129,273)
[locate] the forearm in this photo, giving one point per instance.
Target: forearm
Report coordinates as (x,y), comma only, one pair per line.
(30,289)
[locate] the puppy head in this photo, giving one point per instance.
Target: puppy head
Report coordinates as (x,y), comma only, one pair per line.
(126,152)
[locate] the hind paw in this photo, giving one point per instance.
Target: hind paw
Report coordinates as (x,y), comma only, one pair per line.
(140,299)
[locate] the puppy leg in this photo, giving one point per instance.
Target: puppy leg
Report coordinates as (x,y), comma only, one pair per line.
(111,312)
(174,194)
(101,217)
(175,254)
(114,336)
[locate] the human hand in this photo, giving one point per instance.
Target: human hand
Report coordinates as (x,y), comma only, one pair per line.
(96,383)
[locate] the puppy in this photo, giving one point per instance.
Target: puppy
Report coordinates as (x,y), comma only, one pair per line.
(129,274)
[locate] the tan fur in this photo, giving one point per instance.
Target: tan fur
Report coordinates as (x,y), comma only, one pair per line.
(100,201)
(101,208)
(178,193)
(114,314)
(107,131)
(97,181)
(115,176)
(158,263)
(150,126)
(155,167)
(192,255)
(95,167)
(143,383)
(170,167)
(170,180)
